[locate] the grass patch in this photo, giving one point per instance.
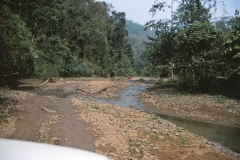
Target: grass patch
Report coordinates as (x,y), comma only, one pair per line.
(220,99)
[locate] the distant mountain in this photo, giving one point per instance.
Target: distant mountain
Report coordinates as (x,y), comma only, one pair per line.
(137,36)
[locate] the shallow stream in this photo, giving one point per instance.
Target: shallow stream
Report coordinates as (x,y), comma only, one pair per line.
(226,136)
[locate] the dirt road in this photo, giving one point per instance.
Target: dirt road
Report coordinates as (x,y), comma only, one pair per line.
(52,120)
(117,132)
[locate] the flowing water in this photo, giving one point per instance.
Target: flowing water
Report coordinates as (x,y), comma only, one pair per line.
(226,136)
(127,98)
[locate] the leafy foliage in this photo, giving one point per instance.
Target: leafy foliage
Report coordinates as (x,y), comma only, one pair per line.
(17,51)
(191,11)
(63,38)
(231,70)
(204,55)
(199,52)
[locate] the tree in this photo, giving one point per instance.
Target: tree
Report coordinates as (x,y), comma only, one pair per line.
(231,69)
(222,26)
(163,49)
(118,42)
(199,53)
(16,50)
(190,11)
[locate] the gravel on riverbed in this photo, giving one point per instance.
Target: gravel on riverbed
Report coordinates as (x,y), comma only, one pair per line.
(124,133)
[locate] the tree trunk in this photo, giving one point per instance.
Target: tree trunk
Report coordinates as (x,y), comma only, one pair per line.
(193,77)
(35,24)
(172,65)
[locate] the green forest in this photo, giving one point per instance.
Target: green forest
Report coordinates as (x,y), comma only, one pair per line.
(67,38)
(204,54)
(85,38)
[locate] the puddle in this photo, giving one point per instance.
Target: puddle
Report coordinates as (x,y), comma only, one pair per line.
(25,88)
(57,93)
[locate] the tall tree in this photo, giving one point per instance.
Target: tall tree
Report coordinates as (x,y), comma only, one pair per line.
(16,50)
(199,53)
(231,70)
(190,21)
(166,30)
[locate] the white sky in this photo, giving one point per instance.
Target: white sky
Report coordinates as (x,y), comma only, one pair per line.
(138,10)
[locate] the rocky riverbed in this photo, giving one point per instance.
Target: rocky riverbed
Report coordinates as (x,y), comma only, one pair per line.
(123,133)
(114,131)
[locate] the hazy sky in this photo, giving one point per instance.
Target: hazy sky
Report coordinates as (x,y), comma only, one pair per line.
(138,10)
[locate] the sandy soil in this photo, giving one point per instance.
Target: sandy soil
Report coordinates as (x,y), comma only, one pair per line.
(119,133)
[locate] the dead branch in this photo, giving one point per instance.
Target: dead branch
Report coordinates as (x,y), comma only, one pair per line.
(178,66)
(46,81)
(9,74)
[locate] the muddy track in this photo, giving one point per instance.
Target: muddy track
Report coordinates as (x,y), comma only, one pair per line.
(54,121)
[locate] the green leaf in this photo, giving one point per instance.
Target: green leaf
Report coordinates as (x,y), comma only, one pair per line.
(35,54)
(237,55)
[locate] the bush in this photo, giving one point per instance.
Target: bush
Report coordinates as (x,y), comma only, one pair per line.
(74,70)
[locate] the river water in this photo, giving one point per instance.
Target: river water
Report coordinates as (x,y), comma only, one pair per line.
(226,136)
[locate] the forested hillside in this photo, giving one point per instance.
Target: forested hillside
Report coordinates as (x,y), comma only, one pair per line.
(63,38)
(137,36)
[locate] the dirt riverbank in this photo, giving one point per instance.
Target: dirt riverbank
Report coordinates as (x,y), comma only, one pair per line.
(117,132)
(215,109)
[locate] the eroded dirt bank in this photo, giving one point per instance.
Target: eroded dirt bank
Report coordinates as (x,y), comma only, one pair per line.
(201,107)
(119,133)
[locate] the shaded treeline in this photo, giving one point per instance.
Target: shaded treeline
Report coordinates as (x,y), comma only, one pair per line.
(63,38)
